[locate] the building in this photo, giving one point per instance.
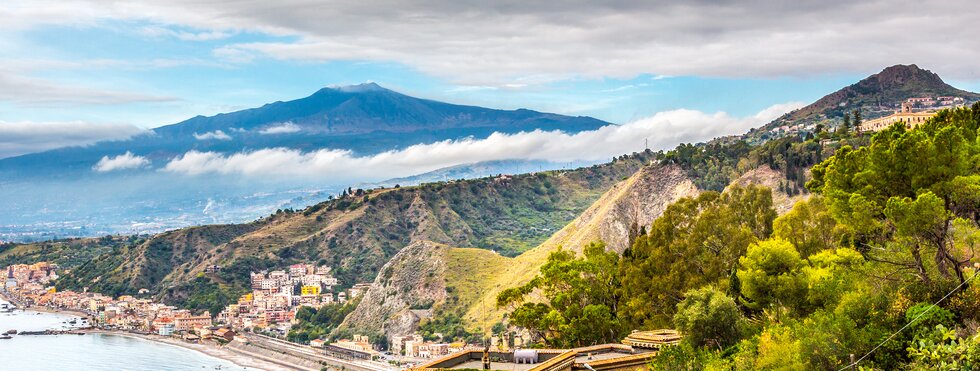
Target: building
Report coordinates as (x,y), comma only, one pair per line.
(906,115)
(226,334)
(11,281)
(358,290)
(653,339)
(605,357)
(187,323)
(164,328)
(310,290)
(344,353)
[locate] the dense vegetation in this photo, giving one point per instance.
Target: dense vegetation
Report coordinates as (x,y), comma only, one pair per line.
(68,253)
(892,228)
(313,323)
(715,165)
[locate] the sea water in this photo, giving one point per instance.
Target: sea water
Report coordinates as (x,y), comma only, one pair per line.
(90,351)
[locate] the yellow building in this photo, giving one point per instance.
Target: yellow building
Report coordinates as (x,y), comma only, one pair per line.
(310,290)
(906,115)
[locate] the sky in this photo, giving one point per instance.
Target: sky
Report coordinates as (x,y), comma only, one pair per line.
(75,72)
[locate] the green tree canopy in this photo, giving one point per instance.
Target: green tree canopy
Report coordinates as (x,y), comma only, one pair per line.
(579,299)
(696,242)
(708,317)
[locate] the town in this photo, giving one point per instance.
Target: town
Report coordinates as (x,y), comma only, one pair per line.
(269,309)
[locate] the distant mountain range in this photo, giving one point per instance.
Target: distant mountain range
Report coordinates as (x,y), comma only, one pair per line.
(364,118)
(368,108)
(58,194)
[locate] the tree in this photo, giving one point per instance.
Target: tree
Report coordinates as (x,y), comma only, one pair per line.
(857,117)
(708,318)
(770,274)
(898,198)
(779,350)
(580,299)
(696,242)
(809,226)
(845,126)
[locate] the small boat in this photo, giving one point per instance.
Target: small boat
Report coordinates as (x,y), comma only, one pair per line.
(10,332)
(5,337)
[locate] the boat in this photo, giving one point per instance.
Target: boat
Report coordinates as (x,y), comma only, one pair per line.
(10,332)
(5,337)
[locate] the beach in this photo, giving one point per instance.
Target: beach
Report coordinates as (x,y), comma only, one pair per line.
(57,316)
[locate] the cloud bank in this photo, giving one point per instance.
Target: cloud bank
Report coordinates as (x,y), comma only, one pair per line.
(212,135)
(498,43)
(663,130)
(18,138)
(124,161)
(283,128)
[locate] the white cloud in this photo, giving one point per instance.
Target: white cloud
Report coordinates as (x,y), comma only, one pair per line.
(20,89)
(121,162)
(158,31)
(18,138)
(664,130)
(281,128)
(215,135)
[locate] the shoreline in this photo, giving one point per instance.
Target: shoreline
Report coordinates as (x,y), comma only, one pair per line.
(212,350)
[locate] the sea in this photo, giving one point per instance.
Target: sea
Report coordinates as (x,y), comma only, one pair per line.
(94,352)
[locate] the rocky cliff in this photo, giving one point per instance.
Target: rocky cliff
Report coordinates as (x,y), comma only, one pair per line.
(406,289)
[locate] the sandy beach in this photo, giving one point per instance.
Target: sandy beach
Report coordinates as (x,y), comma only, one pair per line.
(211,349)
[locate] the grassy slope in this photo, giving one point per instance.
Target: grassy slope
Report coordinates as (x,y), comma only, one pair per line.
(467,272)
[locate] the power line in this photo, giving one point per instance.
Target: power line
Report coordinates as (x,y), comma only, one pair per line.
(911,322)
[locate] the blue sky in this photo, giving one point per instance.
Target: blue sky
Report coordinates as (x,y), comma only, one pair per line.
(144,64)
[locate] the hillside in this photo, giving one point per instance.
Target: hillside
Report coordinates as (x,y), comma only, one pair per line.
(877,95)
(474,278)
(356,235)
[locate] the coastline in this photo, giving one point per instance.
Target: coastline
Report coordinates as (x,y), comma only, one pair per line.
(212,350)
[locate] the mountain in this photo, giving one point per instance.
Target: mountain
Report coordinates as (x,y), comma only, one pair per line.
(58,193)
(365,119)
(367,108)
(877,95)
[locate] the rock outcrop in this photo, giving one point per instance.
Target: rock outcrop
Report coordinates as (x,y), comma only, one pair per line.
(406,289)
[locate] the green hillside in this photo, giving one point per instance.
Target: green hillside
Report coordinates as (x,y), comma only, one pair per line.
(355,234)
